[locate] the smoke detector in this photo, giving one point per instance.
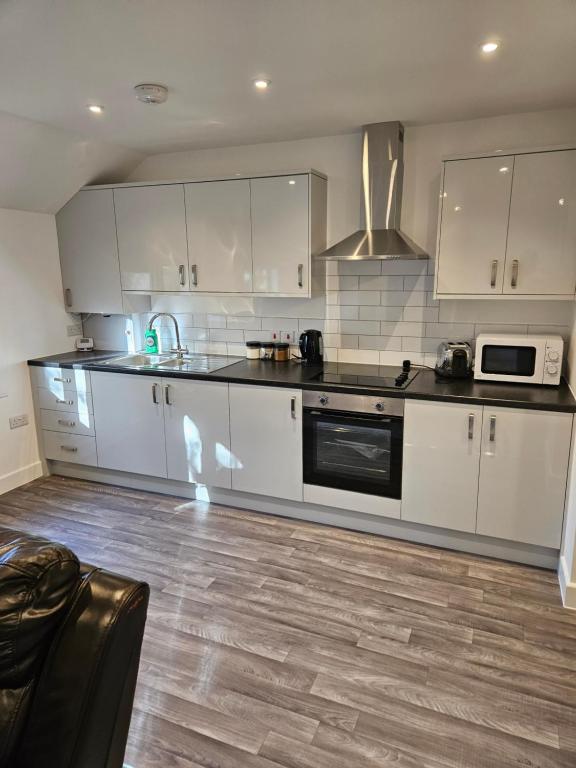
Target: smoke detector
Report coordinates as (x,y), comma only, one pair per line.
(150,93)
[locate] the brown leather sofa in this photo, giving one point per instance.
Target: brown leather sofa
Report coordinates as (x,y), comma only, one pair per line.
(70,638)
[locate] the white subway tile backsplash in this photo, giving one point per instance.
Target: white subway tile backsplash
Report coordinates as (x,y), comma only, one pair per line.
(381,283)
(372,311)
(380,313)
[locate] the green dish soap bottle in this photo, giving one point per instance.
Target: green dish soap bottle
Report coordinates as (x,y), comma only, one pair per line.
(151,341)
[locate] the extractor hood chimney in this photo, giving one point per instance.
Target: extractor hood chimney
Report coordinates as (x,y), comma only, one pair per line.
(382,171)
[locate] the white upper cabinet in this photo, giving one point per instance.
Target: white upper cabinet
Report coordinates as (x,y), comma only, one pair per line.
(281,235)
(507,226)
(441,464)
(475,202)
(219,236)
(523,471)
(151,224)
(89,253)
(541,253)
(266,441)
(197,428)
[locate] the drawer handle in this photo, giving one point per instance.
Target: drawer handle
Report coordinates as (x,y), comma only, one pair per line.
(493,273)
(293,407)
(68,297)
(155,394)
(194,271)
(65,423)
(300,275)
(64,402)
(514,279)
(182,274)
(63,381)
(167,394)
(492,428)
(68,449)
(471,426)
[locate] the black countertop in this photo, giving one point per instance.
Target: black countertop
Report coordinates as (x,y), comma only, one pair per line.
(426,386)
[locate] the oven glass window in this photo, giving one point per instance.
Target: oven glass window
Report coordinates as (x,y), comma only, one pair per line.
(355,454)
(508,361)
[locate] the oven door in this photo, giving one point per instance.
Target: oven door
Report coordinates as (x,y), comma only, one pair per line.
(353,452)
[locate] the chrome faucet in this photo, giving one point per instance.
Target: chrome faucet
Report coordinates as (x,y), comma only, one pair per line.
(179,349)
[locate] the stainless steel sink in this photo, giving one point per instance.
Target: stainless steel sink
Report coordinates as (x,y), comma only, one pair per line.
(139,361)
(189,363)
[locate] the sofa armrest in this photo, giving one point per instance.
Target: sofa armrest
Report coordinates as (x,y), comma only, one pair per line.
(82,704)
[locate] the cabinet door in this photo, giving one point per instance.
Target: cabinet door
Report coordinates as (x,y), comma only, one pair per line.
(523,470)
(474,221)
(89,253)
(266,441)
(219,236)
(197,423)
(129,422)
(152,243)
(280,235)
(441,464)
(541,253)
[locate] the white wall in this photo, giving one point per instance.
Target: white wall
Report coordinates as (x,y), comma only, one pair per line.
(43,166)
(32,324)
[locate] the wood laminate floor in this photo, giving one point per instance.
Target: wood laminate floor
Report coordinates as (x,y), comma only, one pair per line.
(276,643)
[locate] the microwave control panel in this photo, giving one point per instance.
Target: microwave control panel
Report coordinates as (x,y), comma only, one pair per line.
(553,361)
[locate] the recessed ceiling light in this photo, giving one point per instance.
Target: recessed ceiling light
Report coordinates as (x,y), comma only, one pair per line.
(490,46)
(292,182)
(261,84)
(504,169)
(96,109)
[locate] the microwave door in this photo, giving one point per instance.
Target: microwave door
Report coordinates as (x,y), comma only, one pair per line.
(515,362)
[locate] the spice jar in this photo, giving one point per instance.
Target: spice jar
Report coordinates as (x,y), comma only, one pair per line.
(253,350)
(267,349)
(281,352)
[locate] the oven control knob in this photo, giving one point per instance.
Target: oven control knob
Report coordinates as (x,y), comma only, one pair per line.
(552,369)
(553,356)
(323,399)
(379,406)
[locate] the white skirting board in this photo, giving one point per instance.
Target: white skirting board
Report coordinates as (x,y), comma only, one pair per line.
(326,515)
(567,587)
(20,477)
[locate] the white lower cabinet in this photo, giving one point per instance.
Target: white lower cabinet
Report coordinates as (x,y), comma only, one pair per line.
(441,464)
(197,428)
(129,422)
(523,472)
(498,472)
(266,441)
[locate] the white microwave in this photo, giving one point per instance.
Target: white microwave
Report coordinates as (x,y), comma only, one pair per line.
(518,359)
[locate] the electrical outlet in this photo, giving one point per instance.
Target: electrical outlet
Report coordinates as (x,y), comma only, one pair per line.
(289,336)
(74,330)
(19,421)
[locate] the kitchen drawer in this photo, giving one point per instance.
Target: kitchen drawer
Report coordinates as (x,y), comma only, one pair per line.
(78,449)
(61,379)
(68,401)
(71,423)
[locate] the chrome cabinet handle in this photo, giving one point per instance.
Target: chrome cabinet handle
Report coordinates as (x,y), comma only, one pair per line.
(68,448)
(293,407)
(167,394)
(493,273)
(492,428)
(300,275)
(182,274)
(68,297)
(65,423)
(194,271)
(155,394)
(64,402)
(514,279)
(471,426)
(64,381)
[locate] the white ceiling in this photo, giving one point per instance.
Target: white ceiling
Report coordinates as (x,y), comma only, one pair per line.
(334,64)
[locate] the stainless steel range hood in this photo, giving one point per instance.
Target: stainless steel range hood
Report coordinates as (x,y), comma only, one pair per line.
(382,171)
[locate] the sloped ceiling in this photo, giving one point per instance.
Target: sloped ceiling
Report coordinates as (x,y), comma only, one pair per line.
(42,167)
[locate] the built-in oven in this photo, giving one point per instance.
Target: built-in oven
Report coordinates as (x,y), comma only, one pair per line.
(353,442)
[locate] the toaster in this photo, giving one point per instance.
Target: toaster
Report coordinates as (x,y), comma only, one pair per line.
(454,360)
